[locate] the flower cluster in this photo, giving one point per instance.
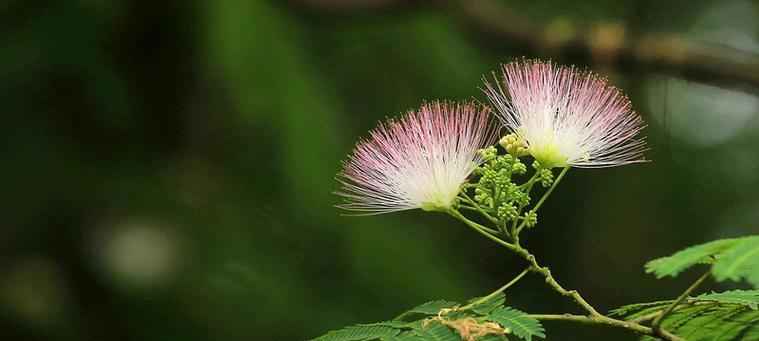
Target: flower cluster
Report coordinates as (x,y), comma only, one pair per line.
(497,194)
(418,161)
(559,115)
(567,117)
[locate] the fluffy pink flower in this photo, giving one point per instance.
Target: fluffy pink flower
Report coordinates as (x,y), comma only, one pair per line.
(419,161)
(567,117)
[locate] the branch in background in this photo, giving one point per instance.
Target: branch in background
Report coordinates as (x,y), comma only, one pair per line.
(349,6)
(608,44)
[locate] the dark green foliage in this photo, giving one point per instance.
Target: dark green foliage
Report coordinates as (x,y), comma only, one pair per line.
(424,323)
(683,259)
(734,259)
(739,262)
(748,298)
(520,323)
(427,308)
(437,332)
(730,315)
(433,307)
(360,332)
(488,306)
(632,311)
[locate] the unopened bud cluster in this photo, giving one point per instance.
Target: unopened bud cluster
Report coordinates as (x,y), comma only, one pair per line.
(496,192)
(514,145)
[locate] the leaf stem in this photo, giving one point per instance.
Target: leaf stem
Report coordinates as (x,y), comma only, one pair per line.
(543,198)
(527,190)
(656,323)
(478,208)
(495,293)
(487,232)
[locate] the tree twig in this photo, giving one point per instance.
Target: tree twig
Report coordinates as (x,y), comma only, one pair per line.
(603,320)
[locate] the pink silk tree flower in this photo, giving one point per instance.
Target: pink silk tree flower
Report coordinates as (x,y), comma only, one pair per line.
(418,161)
(567,117)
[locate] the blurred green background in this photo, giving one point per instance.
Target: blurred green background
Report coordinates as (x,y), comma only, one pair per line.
(167,165)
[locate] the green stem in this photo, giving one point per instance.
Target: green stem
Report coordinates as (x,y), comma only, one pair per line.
(528,189)
(478,208)
(481,229)
(495,293)
(543,198)
(658,320)
(550,189)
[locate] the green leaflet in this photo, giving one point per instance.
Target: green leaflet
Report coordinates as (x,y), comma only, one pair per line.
(710,324)
(488,306)
(632,311)
(681,260)
(713,322)
(426,325)
(748,298)
(438,332)
(360,332)
(520,323)
(739,262)
(427,308)
(730,315)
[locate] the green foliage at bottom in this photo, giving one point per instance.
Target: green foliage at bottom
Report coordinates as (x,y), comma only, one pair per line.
(520,324)
(427,322)
(725,316)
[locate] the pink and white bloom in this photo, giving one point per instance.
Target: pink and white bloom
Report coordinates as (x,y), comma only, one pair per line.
(418,161)
(566,116)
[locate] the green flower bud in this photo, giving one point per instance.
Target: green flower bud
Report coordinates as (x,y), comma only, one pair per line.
(519,168)
(507,212)
(530,218)
(514,145)
(488,153)
(546,177)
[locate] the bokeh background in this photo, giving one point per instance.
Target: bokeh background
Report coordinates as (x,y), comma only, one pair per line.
(166,166)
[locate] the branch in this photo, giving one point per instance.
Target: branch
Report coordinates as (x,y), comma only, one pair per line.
(349,7)
(610,44)
(594,316)
(609,322)
(546,273)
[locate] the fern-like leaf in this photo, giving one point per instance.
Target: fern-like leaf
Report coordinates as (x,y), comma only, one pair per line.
(427,308)
(488,306)
(433,307)
(748,298)
(726,316)
(632,311)
(739,262)
(698,254)
(708,325)
(518,322)
(438,332)
(360,332)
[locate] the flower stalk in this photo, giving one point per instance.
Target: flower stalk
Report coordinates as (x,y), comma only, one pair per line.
(511,242)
